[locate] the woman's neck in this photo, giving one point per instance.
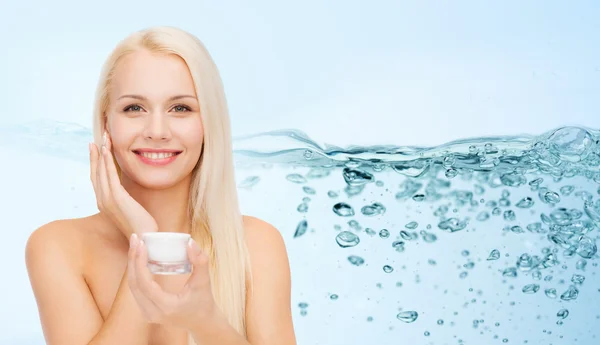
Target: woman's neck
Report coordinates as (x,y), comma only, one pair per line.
(169,207)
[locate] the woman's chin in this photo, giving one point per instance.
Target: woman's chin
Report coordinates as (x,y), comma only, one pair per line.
(157,182)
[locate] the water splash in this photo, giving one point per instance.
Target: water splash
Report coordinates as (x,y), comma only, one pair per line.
(458,179)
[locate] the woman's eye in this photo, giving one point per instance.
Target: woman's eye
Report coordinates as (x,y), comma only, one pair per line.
(133,108)
(181,108)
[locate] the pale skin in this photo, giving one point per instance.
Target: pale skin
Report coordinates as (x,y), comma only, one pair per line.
(89,275)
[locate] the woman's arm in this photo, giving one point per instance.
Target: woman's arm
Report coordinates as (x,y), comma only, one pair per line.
(68,313)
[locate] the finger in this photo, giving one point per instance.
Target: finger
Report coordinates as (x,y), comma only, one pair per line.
(94,166)
(102,178)
(133,243)
(111,170)
(146,284)
(93,162)
(144,303)
(200,277)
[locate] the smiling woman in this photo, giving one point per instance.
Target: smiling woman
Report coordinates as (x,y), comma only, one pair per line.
(161,162)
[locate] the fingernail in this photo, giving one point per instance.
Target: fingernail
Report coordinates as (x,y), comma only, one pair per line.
(104,139)
(133,240)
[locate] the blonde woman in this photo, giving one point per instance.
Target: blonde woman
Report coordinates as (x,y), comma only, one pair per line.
(161,161)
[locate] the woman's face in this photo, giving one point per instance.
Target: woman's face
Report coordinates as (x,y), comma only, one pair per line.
(154,119)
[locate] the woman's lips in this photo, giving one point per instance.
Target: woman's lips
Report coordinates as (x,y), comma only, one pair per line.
(157,157)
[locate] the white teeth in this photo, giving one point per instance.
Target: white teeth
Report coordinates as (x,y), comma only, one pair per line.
(157,155)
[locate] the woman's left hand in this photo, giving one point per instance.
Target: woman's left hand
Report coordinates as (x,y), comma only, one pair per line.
(188,308)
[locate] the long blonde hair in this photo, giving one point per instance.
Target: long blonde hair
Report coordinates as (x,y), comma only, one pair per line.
(216,220)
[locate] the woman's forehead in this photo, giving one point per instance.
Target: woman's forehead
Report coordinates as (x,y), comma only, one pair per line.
(152,76)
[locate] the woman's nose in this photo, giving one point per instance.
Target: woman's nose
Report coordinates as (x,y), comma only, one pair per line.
(157,127)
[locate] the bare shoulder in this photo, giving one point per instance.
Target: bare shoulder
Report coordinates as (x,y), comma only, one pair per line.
(261,235)
(55,254)
(59,240)
(266,248)
(58,236)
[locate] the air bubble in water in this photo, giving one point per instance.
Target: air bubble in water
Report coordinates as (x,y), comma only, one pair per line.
(551,197)
(346,239)
(354,225)
(356,260)
(301,228)
(483,216)
(509,215)
(407,316)
(571,143)
(406,235)
(494,255)
(452,225)
(418,197)
(302,208)
(571,294)
(296,178)
(566,190)
(526,202)
(343,210)
(586,248)
(373,210)
(412,225)
(309,190)
(384,233)
(355,177)
(428,236)
(531,288)
(581,264)
(398,246)
(451,173)
(510,272)
(536,182)
(577,279)
(563,313)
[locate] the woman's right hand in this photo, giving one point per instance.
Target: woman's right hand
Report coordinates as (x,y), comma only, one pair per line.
(113,200)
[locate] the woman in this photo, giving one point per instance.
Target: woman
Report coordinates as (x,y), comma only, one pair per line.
(161,161)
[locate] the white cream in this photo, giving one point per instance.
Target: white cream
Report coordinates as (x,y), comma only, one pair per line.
(166,247)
